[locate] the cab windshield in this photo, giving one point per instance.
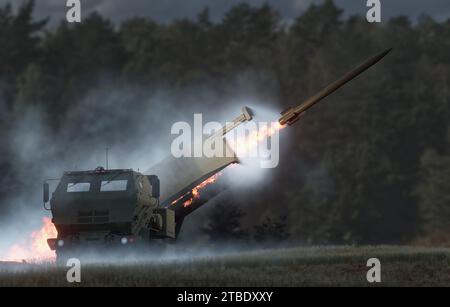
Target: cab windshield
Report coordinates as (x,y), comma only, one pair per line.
(86,184)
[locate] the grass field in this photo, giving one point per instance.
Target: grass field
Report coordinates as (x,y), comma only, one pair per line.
(308,266)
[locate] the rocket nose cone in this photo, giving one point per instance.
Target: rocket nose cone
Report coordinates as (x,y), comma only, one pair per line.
(382,54)
(386,51)
(372,61)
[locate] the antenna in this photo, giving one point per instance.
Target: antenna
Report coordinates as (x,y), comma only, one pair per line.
(106,150)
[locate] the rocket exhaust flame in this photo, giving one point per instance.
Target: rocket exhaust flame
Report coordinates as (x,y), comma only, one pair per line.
(35,248)
(243,145)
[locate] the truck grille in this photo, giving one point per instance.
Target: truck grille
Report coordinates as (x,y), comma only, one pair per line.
(93,216)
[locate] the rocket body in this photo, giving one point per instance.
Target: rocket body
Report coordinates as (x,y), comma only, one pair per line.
(292,114)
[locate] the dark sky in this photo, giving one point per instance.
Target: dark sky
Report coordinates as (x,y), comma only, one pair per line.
(165,10)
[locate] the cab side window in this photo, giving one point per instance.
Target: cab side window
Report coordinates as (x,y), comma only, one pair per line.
(113,185)
(78,187)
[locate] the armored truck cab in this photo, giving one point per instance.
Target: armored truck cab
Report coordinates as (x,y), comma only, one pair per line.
(107,207)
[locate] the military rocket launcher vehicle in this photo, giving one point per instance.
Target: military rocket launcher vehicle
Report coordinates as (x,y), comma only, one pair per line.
(122,207)
(117,207)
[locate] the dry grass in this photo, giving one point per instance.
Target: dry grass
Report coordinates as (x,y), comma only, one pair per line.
(313,266)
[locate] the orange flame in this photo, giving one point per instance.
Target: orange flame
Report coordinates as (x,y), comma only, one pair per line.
(35,248)
(196,191)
